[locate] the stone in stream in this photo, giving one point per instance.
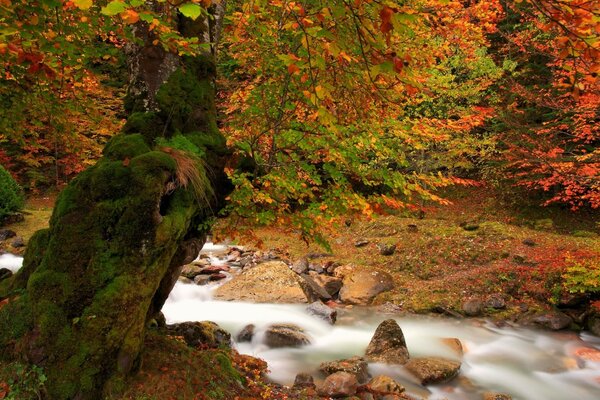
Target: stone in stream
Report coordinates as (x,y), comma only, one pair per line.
(312,290)
(330,283)
(388,344)
(285,335)
(270,282)
(429,370)
(593,324)
(217,277)
(202,279)
(356,366)
(304,380)
(553,320)
(455,345)
(383,385)
(246,334)
(214,269)
(322,311)
(201,334)
(340,384)
(190,271)
(361,285)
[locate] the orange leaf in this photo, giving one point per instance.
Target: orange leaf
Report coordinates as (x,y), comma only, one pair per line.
(130,16)
(293,68)
(386,14)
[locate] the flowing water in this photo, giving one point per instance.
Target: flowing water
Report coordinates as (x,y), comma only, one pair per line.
(527,364)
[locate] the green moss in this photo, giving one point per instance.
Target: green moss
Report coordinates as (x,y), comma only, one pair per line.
(149,124)
(125,146)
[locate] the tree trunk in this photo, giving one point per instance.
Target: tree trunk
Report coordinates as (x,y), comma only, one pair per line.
(121,231)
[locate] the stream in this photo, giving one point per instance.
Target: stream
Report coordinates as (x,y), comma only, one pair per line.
(527,364)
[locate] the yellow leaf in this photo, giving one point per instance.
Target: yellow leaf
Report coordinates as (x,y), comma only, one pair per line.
(83,4)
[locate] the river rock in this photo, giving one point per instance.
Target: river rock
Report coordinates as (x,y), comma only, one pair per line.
(383,385)
(356,365)
(7,234)
(388,344)
(246,334)
(190,271)
(185,280)
(340,384)
(5,273)
(330,283)
(269,282)
(304,380)
(214,269)
(201,334)
(593,324)
(553,320)
(473,307)
(496,396)
(322,311)
(362,285)
(301,266)
(312,290)
(430,370)
(285,335)
(202,279)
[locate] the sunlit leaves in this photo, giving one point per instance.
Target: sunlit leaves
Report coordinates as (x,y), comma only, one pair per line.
(114,7)
(83,4)
(190,10)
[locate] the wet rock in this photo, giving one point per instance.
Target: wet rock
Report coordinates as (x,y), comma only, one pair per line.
(473,307)
(496,302)
(356,366)
(301,266)
(185,280)
(362,285)
(285,335)
(17,242)
(322,311)
(361,243)
(246,334)
(270,282)
(303,381)
(340,384)
(383,385)
(496,396)
(202,279)
(553,320)
(201,334)
(429,370)
(217,277)
(386,249)
(388,344)
(330,283)
(5,273)
(455,345)
(312,290)
(593,324)
(190,271)
(214,269)
(7,234)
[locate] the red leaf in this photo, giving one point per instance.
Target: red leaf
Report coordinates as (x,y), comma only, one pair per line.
(386,14)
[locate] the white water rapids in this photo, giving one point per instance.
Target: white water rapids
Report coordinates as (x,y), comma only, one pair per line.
(525,363)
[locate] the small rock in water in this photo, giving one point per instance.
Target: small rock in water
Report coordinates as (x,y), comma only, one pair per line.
(304,380)
(361,243)
(214,269)
(301,266)
(322,311)
(190,271)
(356,366)
(7,234)
(201,279)
(473,307)
(383,385)
(430,370)
(454,344)
(246,334)
(5,273)
(386,249)
(285,335)
(388,344)
(340,384)
(185,280)
(217,277)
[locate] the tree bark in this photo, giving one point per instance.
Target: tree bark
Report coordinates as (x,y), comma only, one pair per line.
(122,230)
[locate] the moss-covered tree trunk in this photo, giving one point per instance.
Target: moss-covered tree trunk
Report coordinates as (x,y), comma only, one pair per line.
(121,231)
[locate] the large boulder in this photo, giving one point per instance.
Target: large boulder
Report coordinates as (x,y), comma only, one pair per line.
(312,290)
(360,286)
(269,282)
(429,370)
(553,320)
(330,283)
(388,344)
(285,335)
(340,384)
(204,334)
(356,366)
(593,324)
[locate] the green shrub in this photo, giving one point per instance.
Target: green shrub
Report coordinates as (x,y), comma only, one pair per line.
(11,196)
(583,276)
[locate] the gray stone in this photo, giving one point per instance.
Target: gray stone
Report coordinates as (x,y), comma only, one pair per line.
(388,344)
(429,370)
(285,335)
(356,365)
(322,311)
(553,320)
(246,334)
(300,266)
(202,279)
(340,384)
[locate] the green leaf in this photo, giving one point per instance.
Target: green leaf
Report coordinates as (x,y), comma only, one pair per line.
(114,8)
(190,10)
(83,4)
